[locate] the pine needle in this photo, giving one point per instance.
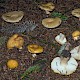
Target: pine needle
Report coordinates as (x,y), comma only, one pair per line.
(30,70)
(35,68)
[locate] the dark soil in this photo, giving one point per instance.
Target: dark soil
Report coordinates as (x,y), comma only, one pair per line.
(40,35)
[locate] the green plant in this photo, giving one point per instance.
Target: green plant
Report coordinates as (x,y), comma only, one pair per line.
(35,68)
(60,15)
(30,70)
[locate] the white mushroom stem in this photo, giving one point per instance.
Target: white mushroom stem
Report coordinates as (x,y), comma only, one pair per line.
(67,46)
(34,55)
(47,12)
(76,38)
(64,61)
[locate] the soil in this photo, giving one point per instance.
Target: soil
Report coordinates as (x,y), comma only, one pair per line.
(41,36)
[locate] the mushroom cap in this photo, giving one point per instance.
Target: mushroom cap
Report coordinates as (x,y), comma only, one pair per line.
(76,12)
(61,39)
(47,6)
(15,41)
(12,64)
(64,69)
(75,53)
(51,22)
(76,33)
(14,16)
(33,48)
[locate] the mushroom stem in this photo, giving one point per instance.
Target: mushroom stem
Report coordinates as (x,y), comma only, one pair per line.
(34,55)
(67,46)
(47,12)
(64,61)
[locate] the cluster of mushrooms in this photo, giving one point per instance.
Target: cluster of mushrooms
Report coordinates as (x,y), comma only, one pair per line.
(66,63)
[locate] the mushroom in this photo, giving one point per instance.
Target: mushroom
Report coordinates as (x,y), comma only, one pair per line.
(34,49)
(15,41)
(61,39)
(76,12)
(14,16)
(76,35)
(12,63)
(65,64)
(51,22)
(47,7)
(75,52)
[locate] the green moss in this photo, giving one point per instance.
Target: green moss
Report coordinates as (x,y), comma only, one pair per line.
(60,15)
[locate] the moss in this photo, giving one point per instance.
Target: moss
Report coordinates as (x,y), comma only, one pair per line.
(60,15)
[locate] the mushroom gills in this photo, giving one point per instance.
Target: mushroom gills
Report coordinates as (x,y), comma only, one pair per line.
(65,64)
(64,69)
(75,52)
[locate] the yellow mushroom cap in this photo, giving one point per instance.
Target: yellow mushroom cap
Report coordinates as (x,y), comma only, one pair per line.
(47,6)
(14,16)
(51,22)
(76,12)
(12,64)
(15,41)
(33,48)
(76,33)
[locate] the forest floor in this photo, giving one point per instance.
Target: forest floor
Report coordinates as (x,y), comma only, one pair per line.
(41,36)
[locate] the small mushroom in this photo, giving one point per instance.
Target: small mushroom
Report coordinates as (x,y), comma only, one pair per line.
(75,52)
(15,41)
(12,63)
(76,35)
(34,49)
(61,39)
(76,12)
(14,16)
(51,22)
(47,7)
(65,64)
